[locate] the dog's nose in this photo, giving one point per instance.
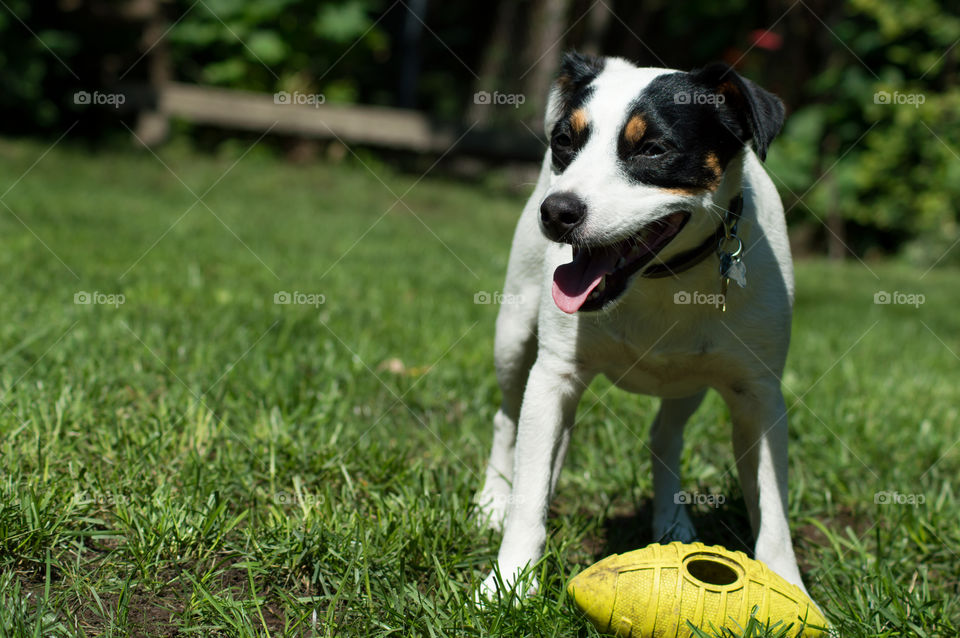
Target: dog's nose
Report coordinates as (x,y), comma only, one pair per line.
(560,213)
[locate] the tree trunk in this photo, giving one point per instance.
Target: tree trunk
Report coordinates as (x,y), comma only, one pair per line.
(836,229)
(153,127)
(495,57)
(597,21)
(546,26)
(837,237)
(410,61)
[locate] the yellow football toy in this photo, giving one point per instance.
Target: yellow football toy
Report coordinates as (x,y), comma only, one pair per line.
(653,592)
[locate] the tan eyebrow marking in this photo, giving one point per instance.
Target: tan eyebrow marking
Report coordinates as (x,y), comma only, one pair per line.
(635,129)
(712,162)
(692,190)
(578,121)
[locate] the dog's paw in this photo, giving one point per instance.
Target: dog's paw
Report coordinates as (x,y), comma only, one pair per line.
(780,558)
(674,525)
(515,586)
(488,591)
(491,510)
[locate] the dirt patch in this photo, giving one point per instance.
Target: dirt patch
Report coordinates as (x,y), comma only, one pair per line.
(154,611)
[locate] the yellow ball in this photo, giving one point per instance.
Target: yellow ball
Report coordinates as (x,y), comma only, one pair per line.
(654,591)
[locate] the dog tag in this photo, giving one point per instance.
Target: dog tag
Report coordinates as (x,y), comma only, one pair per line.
(738,272)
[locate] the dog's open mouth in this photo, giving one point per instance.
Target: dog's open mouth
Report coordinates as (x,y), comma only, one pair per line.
(599,274)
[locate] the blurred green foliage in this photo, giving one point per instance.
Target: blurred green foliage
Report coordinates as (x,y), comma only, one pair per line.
(33,81)
(878,140)
(290,45)
(871,146)
(348,50)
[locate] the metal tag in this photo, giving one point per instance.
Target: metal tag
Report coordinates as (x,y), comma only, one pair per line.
(726,259)
(738,272)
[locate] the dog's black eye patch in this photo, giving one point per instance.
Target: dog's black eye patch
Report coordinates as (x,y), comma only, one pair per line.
(652,149)
(567,138)
(677,135)
(574,85)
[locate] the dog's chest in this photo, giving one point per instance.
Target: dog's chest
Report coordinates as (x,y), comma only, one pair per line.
(672,376)
(674,367)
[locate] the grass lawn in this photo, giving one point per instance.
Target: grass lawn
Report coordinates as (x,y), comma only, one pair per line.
(198,460)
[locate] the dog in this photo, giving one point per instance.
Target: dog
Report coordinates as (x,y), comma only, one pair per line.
(653,251)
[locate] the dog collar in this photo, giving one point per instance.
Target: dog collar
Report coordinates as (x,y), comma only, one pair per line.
(690,258)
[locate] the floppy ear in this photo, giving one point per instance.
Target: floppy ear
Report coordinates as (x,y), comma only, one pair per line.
(577,71)
(759,110)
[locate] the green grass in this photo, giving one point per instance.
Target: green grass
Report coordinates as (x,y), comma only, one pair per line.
(201,461)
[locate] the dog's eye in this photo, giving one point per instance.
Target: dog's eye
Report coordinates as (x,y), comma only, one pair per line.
(652,149)
(562,141)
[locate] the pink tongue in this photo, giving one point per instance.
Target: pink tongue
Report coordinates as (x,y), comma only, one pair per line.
(573,282)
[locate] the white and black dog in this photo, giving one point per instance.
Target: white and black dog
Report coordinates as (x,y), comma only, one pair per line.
(652,197)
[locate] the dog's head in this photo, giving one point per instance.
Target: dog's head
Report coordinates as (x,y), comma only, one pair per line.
(642,166)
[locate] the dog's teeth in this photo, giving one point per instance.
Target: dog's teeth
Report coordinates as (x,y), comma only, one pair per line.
(621,262)
(603,284)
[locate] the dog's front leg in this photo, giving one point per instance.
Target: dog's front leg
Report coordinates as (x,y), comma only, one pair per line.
(549,407)
(760,445)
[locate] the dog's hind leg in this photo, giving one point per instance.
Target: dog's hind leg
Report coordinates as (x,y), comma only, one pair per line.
(760,445)
(670,519)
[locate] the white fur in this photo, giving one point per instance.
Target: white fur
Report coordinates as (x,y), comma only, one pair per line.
(646,343)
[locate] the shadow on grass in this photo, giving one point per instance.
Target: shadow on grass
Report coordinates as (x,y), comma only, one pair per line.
(727,525)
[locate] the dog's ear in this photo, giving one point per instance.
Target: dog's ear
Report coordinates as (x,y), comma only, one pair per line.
(577,71)
(760,111)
